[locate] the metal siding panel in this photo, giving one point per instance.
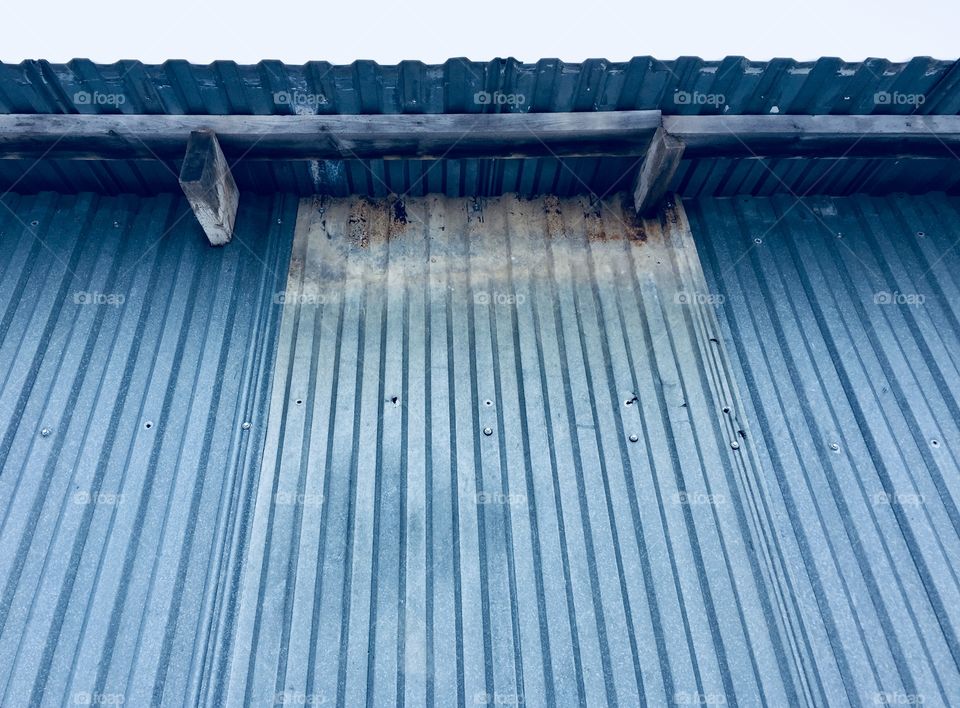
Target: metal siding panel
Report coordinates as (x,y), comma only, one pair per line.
(400,553)
(116,522)
(853,395)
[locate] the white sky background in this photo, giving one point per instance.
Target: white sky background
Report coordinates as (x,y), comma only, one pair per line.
(433,30)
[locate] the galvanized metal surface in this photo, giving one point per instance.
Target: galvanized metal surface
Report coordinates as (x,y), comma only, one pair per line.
(374,178)
(685,86)
(498,470)
(131,354)
(828,85)
(509,449)
(821,176)
(842,315)
(568,177)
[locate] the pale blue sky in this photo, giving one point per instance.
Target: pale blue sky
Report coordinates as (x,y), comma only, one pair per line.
(433,30)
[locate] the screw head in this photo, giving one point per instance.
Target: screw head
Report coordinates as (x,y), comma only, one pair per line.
(834,446)
(45,432)
(758,240)
(634,437)
(488,431)
(735,445)
(148,424)
(246,425)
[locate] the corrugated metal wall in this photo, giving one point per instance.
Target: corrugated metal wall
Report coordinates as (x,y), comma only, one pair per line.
(500,450)
(843,317)
(480,177)
(502,466)
(131,352)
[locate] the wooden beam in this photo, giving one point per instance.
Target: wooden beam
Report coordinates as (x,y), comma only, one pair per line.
(317,137)
(656,172)
(208,183)
(816,136)
(430,136)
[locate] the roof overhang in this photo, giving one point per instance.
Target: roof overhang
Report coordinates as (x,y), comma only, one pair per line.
(657,142)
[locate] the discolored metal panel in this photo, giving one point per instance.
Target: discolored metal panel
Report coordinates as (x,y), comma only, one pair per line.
(499,469)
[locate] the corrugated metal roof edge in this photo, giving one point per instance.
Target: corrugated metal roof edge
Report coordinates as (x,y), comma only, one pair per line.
(826,85)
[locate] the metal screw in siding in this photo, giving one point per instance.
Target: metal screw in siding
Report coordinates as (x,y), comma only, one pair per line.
(45,432)
(246,425)
(488,431)
(634,437)
(834,446)
(735,445)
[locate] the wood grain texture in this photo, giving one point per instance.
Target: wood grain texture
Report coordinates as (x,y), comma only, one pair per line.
(657,171)
(317,137)
(209,186)
(816,136)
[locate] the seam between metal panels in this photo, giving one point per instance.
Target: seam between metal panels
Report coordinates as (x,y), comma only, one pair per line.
(733,414)
(231,536)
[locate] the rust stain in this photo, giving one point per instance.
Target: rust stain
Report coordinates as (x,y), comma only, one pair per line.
(552,214)
(376,220)
(595,226)
(636,230)
(357,223)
